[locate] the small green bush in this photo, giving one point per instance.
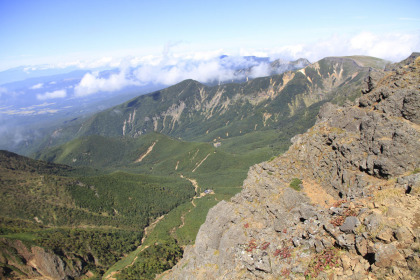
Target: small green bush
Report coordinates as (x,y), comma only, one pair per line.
(295,184)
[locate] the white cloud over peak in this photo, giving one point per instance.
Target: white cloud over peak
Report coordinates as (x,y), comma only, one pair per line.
(261,70)
(51,95)
(390,46)
(205,71)
(169,68)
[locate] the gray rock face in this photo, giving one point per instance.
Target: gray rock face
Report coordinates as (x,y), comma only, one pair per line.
(36,262)
(386,254)
(271,231)
(350,224)
(50,265)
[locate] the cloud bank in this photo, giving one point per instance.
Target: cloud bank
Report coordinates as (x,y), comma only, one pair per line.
(92,83)
(170,68)
(51,95)
(393,46)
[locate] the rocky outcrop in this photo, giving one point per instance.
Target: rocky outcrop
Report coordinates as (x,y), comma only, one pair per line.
(342,203)
(26,262)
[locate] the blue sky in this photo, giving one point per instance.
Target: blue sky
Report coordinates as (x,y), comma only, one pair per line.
(64,32)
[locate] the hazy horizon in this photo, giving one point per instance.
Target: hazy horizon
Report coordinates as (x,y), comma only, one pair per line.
(89,34)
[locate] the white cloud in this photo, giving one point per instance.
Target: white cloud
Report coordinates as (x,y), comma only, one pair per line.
(169,68)
(37,86)
(263,69)
(203,71)
(391,46)
(50,95)
(91,83)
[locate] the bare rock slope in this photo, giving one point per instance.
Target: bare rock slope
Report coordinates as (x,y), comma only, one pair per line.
(342,203)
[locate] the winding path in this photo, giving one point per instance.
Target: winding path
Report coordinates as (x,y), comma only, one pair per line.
(149,228)
(194,183)
(149,150)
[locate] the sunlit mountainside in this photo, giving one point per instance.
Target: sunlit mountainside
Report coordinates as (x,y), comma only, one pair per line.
(209,140)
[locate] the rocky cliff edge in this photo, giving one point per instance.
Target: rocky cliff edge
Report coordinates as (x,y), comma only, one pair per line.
(342,203)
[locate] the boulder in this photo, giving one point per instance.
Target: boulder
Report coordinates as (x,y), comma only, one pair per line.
(350,224)
(387,255)
(403,234)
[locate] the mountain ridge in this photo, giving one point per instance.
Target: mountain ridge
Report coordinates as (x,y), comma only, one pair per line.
(197,112)
(353,213)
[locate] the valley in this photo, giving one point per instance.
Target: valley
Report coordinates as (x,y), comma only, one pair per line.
(145,165)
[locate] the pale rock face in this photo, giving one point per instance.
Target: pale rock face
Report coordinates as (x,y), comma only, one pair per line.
(37,262)
(349,212)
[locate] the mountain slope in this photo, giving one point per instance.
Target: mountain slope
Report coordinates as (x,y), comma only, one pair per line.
(197,112)
(56,223)
(343,201)
(159,155)
(247,123)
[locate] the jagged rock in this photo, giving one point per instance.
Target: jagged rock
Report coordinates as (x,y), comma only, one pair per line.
(344,162)
(410,109)
(350,223)
(373,222)
(37,262)
(262,263)
(49,265)
(361,245)
(327,243)
(331,230)
(413,263)
(403,234)
(408,182)
(386,235)
(346,241)
(296,241)
(387,255)
(306,212)
(319,246)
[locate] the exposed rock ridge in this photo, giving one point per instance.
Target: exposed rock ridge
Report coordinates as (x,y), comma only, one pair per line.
(36,262)
(356,215)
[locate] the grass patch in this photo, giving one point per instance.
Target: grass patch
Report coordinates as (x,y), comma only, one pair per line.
(383,195)
(296,184)
(194,219)
(24,236)
(167,224)
(120,265)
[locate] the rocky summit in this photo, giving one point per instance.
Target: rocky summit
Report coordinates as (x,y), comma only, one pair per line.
(342,203)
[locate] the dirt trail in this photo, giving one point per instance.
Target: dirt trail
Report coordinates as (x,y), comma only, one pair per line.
(147,231)
(201,162)
(110,276)
(149,150)
(149,228)
(134,260)
(197,195)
